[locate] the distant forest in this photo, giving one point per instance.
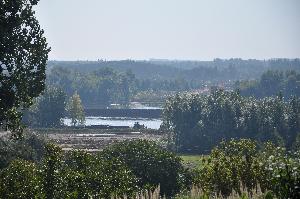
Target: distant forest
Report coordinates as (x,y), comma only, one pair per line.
(272,83)
(216,70)
(101,83)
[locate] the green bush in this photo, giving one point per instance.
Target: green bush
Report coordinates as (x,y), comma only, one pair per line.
(20,180)
(234,168)
(151,164)
(78,174)
(75,174)
(229,167)
(30,147)
(240,164)
(282,171)
(51,172)
(86,176)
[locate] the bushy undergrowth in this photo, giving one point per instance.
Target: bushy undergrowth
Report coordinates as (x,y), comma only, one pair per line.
(20,180)
(234,169)
(30,148)
(125,168)
(76,175)
(152,165)
(239,165)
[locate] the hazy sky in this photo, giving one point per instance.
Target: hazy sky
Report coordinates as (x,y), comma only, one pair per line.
(171,29)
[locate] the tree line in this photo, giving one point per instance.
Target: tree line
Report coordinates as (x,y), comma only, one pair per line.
(51,107)
(196,122)
(98,88)
(104,83)
(216,70)
(106,86)
(272,83)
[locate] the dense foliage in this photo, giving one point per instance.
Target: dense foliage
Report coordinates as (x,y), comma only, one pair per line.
(218,70)
(272,83)
(240,165)
(30,148)
(152,165)
(196,123)
(47,110)
(78,175)
(103,83)
(99,88)
(23,57)
(130,167)
(125,168)
(75,110)
(19,180)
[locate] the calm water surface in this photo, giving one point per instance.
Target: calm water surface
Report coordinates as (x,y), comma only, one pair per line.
(118,121)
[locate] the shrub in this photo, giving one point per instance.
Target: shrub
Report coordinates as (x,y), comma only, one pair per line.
(282,171)
(51,175)
(229,167)
(30,147)
(239,164)
(75,175)
(86,176)
(151,164)
(20,180)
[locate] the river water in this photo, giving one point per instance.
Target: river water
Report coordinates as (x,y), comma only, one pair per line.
(118,121)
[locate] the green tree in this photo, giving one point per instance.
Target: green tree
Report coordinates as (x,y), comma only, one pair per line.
(196,123)
(243,164)
(294,120)
(20,180)
(30,148)
(51,179)
(75,110)
(23,57)
(51,107)
(271,83)
(47,110)
(92,176)
(151,164)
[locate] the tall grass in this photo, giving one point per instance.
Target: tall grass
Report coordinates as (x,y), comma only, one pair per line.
(197,193)
(155,194)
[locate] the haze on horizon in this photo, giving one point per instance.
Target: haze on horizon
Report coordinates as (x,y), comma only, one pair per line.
(170,29)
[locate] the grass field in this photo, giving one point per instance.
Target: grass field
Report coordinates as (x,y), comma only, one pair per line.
(192,161)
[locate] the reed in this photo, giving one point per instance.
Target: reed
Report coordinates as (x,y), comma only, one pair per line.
(197,193)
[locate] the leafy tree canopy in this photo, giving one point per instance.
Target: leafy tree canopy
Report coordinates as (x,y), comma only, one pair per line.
(47,110)
(196,122)
(75,110)
(23,56)
(272,83)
